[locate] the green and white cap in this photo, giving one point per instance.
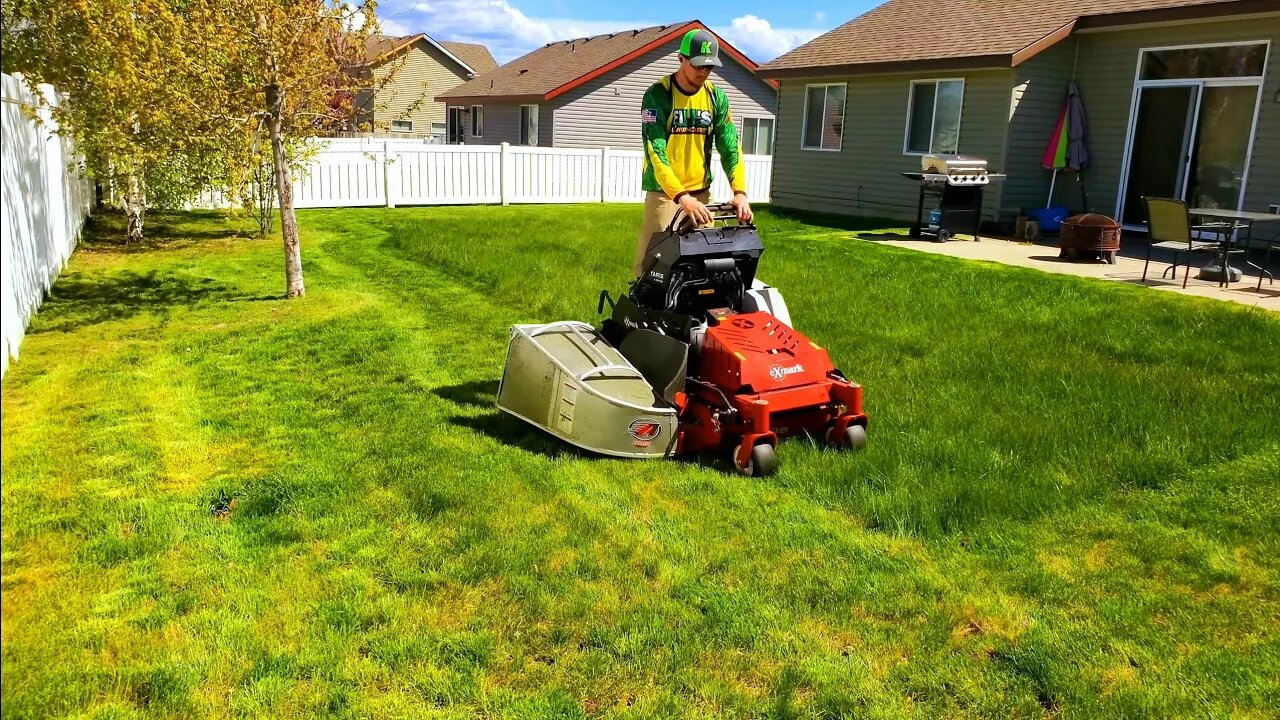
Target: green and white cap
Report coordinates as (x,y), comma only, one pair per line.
(701,47)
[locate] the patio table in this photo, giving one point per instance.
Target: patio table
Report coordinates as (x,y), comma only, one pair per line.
(1238,219)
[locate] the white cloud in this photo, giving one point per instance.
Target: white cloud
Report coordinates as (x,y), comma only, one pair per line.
(393,27)
(509,33)
(499,25)
(763,42)
(819,17)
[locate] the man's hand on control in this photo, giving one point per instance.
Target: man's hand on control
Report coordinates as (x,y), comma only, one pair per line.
(739,203)
(695,210)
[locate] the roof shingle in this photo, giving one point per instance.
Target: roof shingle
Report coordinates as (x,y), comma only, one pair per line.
(559,65)
(905,31)
(475,55)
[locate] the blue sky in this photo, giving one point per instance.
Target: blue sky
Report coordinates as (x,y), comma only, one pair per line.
(510,28)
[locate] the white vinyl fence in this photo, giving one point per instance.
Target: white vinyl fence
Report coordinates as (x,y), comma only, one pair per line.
(44,207)
(350,172)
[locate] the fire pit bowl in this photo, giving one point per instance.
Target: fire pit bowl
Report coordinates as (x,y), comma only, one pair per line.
(1090,236)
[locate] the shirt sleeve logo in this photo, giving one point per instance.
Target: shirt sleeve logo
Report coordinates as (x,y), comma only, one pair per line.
(648,116)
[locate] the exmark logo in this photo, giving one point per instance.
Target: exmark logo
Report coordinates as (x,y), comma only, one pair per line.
(778,372)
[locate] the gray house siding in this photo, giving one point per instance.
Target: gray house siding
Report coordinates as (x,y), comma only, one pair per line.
(1039,87)
(606,110)
(863,178)
(1105,71)
(502,124)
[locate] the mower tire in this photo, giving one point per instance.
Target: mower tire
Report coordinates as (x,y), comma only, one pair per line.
(855,438)
(763,461)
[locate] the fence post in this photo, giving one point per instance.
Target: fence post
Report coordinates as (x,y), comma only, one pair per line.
(386,173)
(504,172)
(604,173)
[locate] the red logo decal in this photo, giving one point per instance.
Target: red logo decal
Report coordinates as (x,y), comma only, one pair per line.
(644,429)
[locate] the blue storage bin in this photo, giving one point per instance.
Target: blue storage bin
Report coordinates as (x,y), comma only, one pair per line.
(1050,219)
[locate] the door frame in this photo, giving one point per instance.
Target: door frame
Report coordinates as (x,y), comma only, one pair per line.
(453,125)
(1256,81)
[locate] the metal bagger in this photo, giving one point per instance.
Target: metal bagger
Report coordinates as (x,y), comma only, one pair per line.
(697,357)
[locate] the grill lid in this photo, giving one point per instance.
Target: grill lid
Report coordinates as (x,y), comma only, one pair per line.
(952,164)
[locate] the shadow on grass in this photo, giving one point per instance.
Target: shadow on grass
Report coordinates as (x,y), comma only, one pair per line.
(880,236)
(512,431)
(830,221)
(506,429)
(1068,261)
(78,300)
(107,231)
(477,393)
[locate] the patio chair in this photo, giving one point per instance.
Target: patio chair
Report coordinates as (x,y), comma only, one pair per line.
(1169,228)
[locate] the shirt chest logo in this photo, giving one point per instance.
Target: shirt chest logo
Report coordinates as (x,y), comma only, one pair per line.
(689,120)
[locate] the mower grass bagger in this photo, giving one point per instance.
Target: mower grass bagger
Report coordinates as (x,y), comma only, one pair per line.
(697,357)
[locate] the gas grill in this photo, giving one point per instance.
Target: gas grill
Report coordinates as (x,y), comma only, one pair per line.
(957,182)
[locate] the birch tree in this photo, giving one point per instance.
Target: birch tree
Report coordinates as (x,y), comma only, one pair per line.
(119,66)
(291,68)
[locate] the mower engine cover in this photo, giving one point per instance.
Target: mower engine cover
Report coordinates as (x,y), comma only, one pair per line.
(700,270)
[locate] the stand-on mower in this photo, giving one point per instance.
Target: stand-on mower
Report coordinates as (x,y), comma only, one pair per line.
(698,357)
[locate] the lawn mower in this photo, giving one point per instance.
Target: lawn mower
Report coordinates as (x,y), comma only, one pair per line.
(698,356)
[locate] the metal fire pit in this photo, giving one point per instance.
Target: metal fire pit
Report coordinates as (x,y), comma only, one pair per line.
(1090,236)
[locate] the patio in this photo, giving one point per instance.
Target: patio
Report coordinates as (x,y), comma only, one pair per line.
(1043,255)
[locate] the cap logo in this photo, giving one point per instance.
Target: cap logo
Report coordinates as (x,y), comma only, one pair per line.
(706,47)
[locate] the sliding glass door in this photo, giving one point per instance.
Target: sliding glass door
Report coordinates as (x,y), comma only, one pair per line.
(1191,126)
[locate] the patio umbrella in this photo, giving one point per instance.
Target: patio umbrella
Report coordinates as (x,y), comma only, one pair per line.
(1067,149)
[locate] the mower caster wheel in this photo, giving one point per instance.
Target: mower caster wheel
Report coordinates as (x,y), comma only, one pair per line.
(855,438)
(763,461)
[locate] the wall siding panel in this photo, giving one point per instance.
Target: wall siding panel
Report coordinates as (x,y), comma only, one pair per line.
(1105,71)
(864,178)
(606,110)
(422,72)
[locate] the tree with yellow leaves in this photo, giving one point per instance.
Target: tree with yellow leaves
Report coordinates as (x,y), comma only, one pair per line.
(119,66)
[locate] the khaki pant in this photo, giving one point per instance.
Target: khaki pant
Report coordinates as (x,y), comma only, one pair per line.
(658,211)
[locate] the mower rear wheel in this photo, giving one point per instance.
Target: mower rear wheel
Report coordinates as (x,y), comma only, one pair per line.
(763,461)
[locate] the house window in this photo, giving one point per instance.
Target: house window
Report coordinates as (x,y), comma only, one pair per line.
(1213,61)
(401,126)
(757,136)
(823,117)
(477,121)
(528,124)
(933,117)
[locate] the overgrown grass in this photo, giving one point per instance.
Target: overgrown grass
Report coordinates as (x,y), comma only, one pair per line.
(219,503)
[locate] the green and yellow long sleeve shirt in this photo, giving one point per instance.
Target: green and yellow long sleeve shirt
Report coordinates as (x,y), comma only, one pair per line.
(679,132)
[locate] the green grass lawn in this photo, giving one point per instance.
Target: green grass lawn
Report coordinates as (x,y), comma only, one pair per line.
(217,503)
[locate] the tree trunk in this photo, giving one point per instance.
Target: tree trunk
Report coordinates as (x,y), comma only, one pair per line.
(135,207)
(284,191)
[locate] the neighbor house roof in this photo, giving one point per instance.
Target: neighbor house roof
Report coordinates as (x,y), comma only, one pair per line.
(558,67)
(473,54)
(379,48)
(942,34)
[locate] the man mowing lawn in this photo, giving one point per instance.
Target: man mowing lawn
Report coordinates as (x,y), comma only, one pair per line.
(681,116)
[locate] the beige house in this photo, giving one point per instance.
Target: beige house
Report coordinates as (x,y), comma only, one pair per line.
(419,69)
(1182,99)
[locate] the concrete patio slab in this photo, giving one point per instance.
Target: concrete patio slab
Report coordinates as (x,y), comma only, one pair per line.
(1043,256)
